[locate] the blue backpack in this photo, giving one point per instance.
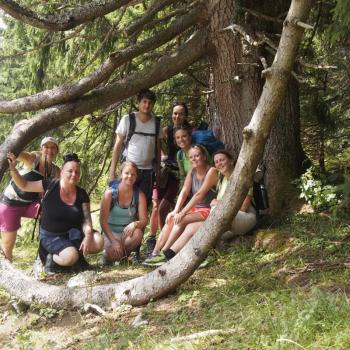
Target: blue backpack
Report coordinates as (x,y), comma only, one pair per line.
(134,205)
(207,139)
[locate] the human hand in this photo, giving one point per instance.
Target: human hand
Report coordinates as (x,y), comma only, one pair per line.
(11,158)
(129,229)
(178,217)
(170,217)
(86,245)
(117,247)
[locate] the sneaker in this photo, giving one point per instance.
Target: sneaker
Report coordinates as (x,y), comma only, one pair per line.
(150,245)
(135,258)
(156,260)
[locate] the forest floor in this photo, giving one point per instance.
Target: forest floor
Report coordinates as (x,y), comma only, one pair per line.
(286,286)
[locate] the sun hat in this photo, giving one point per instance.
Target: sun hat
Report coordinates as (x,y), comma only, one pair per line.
(47,139)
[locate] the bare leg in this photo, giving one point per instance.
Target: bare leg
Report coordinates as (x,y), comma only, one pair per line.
(97,244)
(164,235)
(67,257)
(188,233)
(111,254)
(8,240)
(179,228)
(154,220)
(164,208)
(134,241)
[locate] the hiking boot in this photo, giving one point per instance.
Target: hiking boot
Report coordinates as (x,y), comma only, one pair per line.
(51,267)
(81,265)
(135,258)
(150,244)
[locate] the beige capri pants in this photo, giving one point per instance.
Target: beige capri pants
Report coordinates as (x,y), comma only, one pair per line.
(241,224)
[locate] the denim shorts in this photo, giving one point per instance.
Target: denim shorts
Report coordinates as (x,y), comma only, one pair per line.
(54,243)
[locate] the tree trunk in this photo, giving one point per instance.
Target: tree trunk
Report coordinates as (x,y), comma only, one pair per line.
(167,277)
(237,84)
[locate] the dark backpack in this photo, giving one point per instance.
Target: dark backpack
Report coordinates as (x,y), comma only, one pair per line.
(134,205)
(261,201)
(207,139)
(131,132)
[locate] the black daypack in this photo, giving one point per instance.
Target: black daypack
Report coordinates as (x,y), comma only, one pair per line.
(261,201)
(132,131)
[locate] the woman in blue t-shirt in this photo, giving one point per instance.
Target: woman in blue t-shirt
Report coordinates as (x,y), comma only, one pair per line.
(66,231)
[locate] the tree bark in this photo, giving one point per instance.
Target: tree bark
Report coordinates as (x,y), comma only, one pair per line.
(167,277)
(237,83)
(65,20)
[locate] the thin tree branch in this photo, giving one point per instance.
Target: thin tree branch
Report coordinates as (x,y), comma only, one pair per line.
(153,9)
(53,42)
(62,21)
(262,16)
(67,92)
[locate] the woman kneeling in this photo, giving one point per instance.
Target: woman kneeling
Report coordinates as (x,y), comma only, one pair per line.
(123,215)
(66,231)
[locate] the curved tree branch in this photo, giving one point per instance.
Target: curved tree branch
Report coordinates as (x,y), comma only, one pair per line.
(137,25)
(68,92)
(23,132)
(64,20)
(167,277)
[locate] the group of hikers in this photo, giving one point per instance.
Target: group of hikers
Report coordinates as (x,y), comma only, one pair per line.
(180,194)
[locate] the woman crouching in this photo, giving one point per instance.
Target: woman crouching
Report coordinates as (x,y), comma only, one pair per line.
(66,232)
(123,215)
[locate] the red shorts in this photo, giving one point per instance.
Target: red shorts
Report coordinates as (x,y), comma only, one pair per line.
(204,212)
(10,216)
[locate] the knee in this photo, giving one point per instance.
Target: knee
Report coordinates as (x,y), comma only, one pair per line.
(67,257)
(99,242)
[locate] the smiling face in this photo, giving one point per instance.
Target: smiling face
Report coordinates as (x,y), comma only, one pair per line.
(178,116)
(49,151)
(197,157)
(223,163)
(70,173)
(182,139)
(128,174)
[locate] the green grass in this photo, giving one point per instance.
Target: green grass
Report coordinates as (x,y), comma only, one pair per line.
(241,291)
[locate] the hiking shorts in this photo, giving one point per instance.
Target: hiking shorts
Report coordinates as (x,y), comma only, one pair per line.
(203,212)
(54,243)
(10,216)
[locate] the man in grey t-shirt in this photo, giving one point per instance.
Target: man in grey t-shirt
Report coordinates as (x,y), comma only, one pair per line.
(143,149)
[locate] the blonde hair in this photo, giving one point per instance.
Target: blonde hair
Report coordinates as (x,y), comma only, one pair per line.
(202,149)
(128,163)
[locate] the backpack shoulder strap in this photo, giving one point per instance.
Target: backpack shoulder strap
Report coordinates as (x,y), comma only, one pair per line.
(135,198)
(115,192)
(132,127)
(157,122)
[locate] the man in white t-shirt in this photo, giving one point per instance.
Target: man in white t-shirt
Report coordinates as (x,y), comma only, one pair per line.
(143,148)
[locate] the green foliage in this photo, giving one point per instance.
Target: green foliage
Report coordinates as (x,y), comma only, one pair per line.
(319,195)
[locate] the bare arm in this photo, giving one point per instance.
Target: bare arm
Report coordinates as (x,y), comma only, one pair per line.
(20,181)
(210,181)
(87,224)
(27,158)
(115,155)
(185,191)
(246,203)
(142,210)
(104,214)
